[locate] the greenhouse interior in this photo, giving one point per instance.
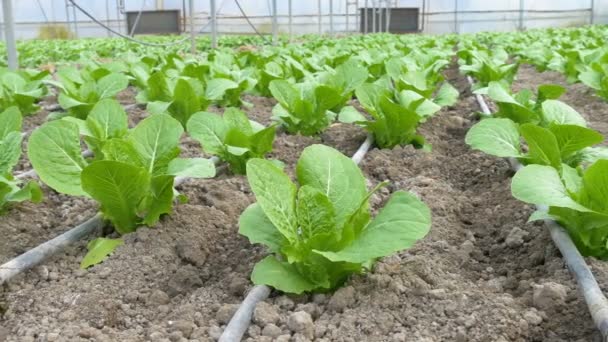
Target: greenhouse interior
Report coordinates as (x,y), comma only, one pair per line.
(295,171)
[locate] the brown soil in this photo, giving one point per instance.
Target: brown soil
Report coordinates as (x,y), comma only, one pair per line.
(471,279)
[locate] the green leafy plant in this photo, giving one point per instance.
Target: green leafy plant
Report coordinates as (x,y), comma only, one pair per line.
(577,199)
(553,146)
(322,232)
(595,76)
(344,80)
(232,137)
(11,189)
(304,107)
(182,97)
(487,66)
(132,173)
(21,89)
(393,123)
(80,90)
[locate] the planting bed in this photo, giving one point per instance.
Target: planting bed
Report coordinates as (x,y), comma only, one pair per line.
(482,274)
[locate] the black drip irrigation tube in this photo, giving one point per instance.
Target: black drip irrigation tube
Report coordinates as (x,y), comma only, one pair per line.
(38,254)
(588,286)
(240,321)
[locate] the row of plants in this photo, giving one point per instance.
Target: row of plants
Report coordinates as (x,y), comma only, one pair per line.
(563,169)
(320,232)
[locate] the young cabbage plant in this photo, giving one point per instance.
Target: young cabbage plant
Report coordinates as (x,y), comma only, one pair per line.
(80,90)
(304,107)
(595,76)
(232,137)
(344,80)
(132,174)
(21,89)
(523,108)
(393,123)
(182,97)
(487,66)
(554,146)
(322,232)
(11,189)
(577,199)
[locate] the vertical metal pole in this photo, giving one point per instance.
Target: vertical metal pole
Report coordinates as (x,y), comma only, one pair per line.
(159,5)
(275,23)
(289,10)
(75,21)
(521,15)
(118,15)
(67,15)
(192,34)
(388,15)
(592,14)
(456,28)
(320,17)
(213,11)
(357,17)
(347,21)
(331,18)
(373,16)
(108,23)
(9,32)
(365,17)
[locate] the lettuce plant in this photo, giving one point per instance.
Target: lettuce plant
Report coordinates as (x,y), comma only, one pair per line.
(182,97)
(595,76)
(132,173)
(80,90)
(304,107)
(11,189)
(344,80)
(21,89)
(232,137)
(322,232)
(577,199)
(487,66)
(393,122)
(553,146)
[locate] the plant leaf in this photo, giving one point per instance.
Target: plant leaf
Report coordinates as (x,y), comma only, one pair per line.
(498,137)
(99,249)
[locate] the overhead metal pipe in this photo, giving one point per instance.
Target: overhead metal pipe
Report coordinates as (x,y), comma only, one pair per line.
(9,33)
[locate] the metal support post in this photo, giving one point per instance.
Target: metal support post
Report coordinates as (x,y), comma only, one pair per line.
(213,11)
(331,18)
(275,24)
(320,17)
(290,24)
(9,33)
(192,33)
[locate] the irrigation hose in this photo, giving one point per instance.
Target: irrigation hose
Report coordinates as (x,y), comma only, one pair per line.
(595,299)
(240,321)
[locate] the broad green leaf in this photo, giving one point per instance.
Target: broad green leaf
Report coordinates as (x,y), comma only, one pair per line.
(29,192)
(185,102)
(159,199)
(107,120)
(276,194)
(542,145)
(541,184)
(158,107)
(10,121)
(595,190)
(281,276)
(403,221)
(261,142)
(209,129)
(572,180)
(236,119)
(557,112)
(192,168)
(256,226)
(335,175)
(418,103)
(110,85)
(498,93)
(573,138)
(447,95)
(54,150)
(498,137)
(119,188)
(217,87)
(315,213)
(549,92)
(10,151)
(156,139)
(99,249)
(284,92)
(350,114)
